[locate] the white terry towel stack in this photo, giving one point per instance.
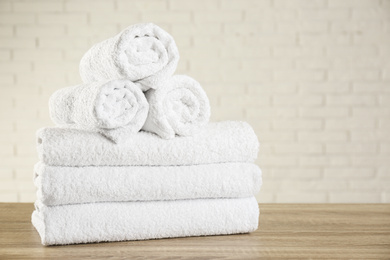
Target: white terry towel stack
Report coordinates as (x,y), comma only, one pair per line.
(91,189)
(104,176)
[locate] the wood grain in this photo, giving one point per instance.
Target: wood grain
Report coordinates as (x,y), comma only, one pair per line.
(325,231)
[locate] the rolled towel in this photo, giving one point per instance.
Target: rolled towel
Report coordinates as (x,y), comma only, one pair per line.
(119,221)
(143,53)
(73,185)
(217,143)
(114,108)
(180,107)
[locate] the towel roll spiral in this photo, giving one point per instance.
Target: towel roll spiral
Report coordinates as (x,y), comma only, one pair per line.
(142,53)
(181,108)
(101,106)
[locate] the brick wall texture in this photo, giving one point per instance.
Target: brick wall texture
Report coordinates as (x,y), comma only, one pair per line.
(312,77)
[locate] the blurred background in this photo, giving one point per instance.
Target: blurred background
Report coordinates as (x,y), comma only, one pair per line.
(311,76)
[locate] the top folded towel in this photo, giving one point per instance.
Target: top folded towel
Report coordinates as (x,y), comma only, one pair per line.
(143,53)
(216,143)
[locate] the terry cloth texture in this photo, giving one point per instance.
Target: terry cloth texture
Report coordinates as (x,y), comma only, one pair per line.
(220,142)
(59,185)
(142,53)
(180,107)
(118,221)
(116,108)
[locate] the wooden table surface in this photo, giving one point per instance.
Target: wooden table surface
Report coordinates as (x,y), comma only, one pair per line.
(286,231)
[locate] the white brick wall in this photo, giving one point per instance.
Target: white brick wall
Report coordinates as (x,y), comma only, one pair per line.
(312,77)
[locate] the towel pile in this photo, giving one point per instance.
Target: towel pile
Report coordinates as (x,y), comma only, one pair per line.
(133,156)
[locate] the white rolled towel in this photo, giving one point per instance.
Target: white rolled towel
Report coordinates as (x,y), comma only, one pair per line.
(114,108)
(143,53)
(180,107)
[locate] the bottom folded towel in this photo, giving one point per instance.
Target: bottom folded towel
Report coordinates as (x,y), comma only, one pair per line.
(119,221)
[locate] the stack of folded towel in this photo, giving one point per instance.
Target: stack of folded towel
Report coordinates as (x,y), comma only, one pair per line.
(133,156)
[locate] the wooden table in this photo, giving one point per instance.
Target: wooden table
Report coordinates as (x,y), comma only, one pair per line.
(286,231)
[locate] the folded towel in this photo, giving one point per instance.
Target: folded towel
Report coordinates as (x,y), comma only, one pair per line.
(217,143)
(115,108)
(143,53)
(72,185)
(118,221)
(179,107)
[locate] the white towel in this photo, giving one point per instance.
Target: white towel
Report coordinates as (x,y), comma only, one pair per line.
(218,143)
(143,53)
(72,185)
(115,108)
(180,107)
(119,221)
